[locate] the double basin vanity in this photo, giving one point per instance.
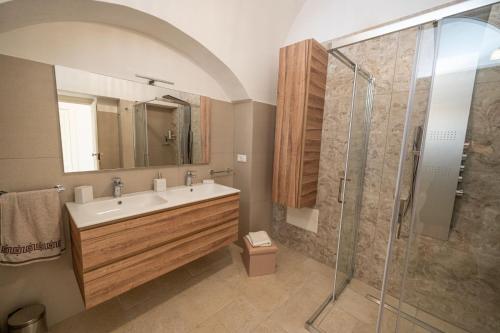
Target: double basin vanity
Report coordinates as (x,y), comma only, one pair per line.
(121,243)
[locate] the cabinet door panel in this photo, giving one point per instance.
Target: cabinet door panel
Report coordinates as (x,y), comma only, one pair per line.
(299,118)
(114,279)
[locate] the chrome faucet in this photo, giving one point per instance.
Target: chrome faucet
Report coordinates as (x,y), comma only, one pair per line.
(189,178)
(117,187)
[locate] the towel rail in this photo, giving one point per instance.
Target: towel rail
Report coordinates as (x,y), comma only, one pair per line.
(58,187)
(225,172)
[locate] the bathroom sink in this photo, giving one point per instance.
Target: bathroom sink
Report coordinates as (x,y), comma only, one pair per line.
(131,202)
(108,209)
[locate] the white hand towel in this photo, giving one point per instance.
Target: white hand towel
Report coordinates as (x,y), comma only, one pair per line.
(259,238)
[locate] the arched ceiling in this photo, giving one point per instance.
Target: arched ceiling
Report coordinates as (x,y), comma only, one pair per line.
(16,14)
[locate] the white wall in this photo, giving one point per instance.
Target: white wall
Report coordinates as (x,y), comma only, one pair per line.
(82,82)
(328,19)
(245,34)
(108,50)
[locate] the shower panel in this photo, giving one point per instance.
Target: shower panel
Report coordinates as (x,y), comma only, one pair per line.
(448,116)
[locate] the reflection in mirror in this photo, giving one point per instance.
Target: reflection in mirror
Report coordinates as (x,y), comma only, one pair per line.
(110,123)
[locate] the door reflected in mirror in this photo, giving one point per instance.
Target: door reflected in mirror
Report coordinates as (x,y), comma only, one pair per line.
(110,123)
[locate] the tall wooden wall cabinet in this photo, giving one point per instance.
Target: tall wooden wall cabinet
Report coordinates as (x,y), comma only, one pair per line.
(299,120)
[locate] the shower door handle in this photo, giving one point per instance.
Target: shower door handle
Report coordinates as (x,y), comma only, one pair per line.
(341,189)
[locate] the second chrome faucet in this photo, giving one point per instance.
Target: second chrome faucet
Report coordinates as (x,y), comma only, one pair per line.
(188,180)
(117,187)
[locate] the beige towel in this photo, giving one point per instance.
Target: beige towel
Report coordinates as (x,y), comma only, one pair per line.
(30,227)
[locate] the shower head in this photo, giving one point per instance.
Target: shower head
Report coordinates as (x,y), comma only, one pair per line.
(176,100)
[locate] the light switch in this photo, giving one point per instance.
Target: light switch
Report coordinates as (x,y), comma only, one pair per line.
(241,158)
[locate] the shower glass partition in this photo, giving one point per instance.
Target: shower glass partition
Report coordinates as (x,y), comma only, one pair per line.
(351,182)
(444,267)
(350,189)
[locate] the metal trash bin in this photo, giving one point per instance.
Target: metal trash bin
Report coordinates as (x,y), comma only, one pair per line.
(28,319)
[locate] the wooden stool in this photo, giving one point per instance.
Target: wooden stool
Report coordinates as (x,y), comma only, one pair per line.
(259,260)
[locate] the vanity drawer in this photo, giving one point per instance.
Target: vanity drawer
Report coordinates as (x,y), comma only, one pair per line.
(106,244)
(111,259)
(111,280)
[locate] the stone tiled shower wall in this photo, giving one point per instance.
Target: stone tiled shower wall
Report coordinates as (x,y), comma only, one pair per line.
(389,60)
(457,279)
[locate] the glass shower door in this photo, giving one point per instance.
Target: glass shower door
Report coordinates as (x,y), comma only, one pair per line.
(351,183)
(450,277)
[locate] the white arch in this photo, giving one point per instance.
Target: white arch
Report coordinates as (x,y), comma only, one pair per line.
(16,14)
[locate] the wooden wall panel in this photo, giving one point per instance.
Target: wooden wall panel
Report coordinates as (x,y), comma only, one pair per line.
(299,118)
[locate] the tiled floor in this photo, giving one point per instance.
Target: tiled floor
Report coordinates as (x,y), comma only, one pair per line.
(354,313)
(214,294)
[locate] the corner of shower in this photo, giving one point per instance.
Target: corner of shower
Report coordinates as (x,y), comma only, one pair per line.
(434,210)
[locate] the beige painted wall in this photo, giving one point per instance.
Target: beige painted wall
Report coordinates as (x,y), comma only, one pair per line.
(30,158)
(254,137)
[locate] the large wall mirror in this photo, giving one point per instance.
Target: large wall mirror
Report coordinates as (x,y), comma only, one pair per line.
(111,123)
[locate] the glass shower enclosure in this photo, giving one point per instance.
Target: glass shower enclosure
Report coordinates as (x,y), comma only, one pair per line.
(441,263)
(450,269)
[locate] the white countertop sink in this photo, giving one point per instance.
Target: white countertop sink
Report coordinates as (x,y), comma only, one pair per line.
(107,209)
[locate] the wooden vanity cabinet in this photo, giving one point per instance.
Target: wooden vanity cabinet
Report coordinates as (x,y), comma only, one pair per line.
(299,120)
(113,258)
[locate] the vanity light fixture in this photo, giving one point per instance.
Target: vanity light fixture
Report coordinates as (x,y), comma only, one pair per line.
(152,80)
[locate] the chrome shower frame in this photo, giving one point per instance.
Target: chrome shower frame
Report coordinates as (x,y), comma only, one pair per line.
(409,22)
(358,70)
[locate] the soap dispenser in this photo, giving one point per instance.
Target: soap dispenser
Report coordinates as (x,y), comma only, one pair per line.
(159,183)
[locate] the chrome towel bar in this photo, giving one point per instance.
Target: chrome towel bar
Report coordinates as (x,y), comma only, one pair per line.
(225,172)
(59,188)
